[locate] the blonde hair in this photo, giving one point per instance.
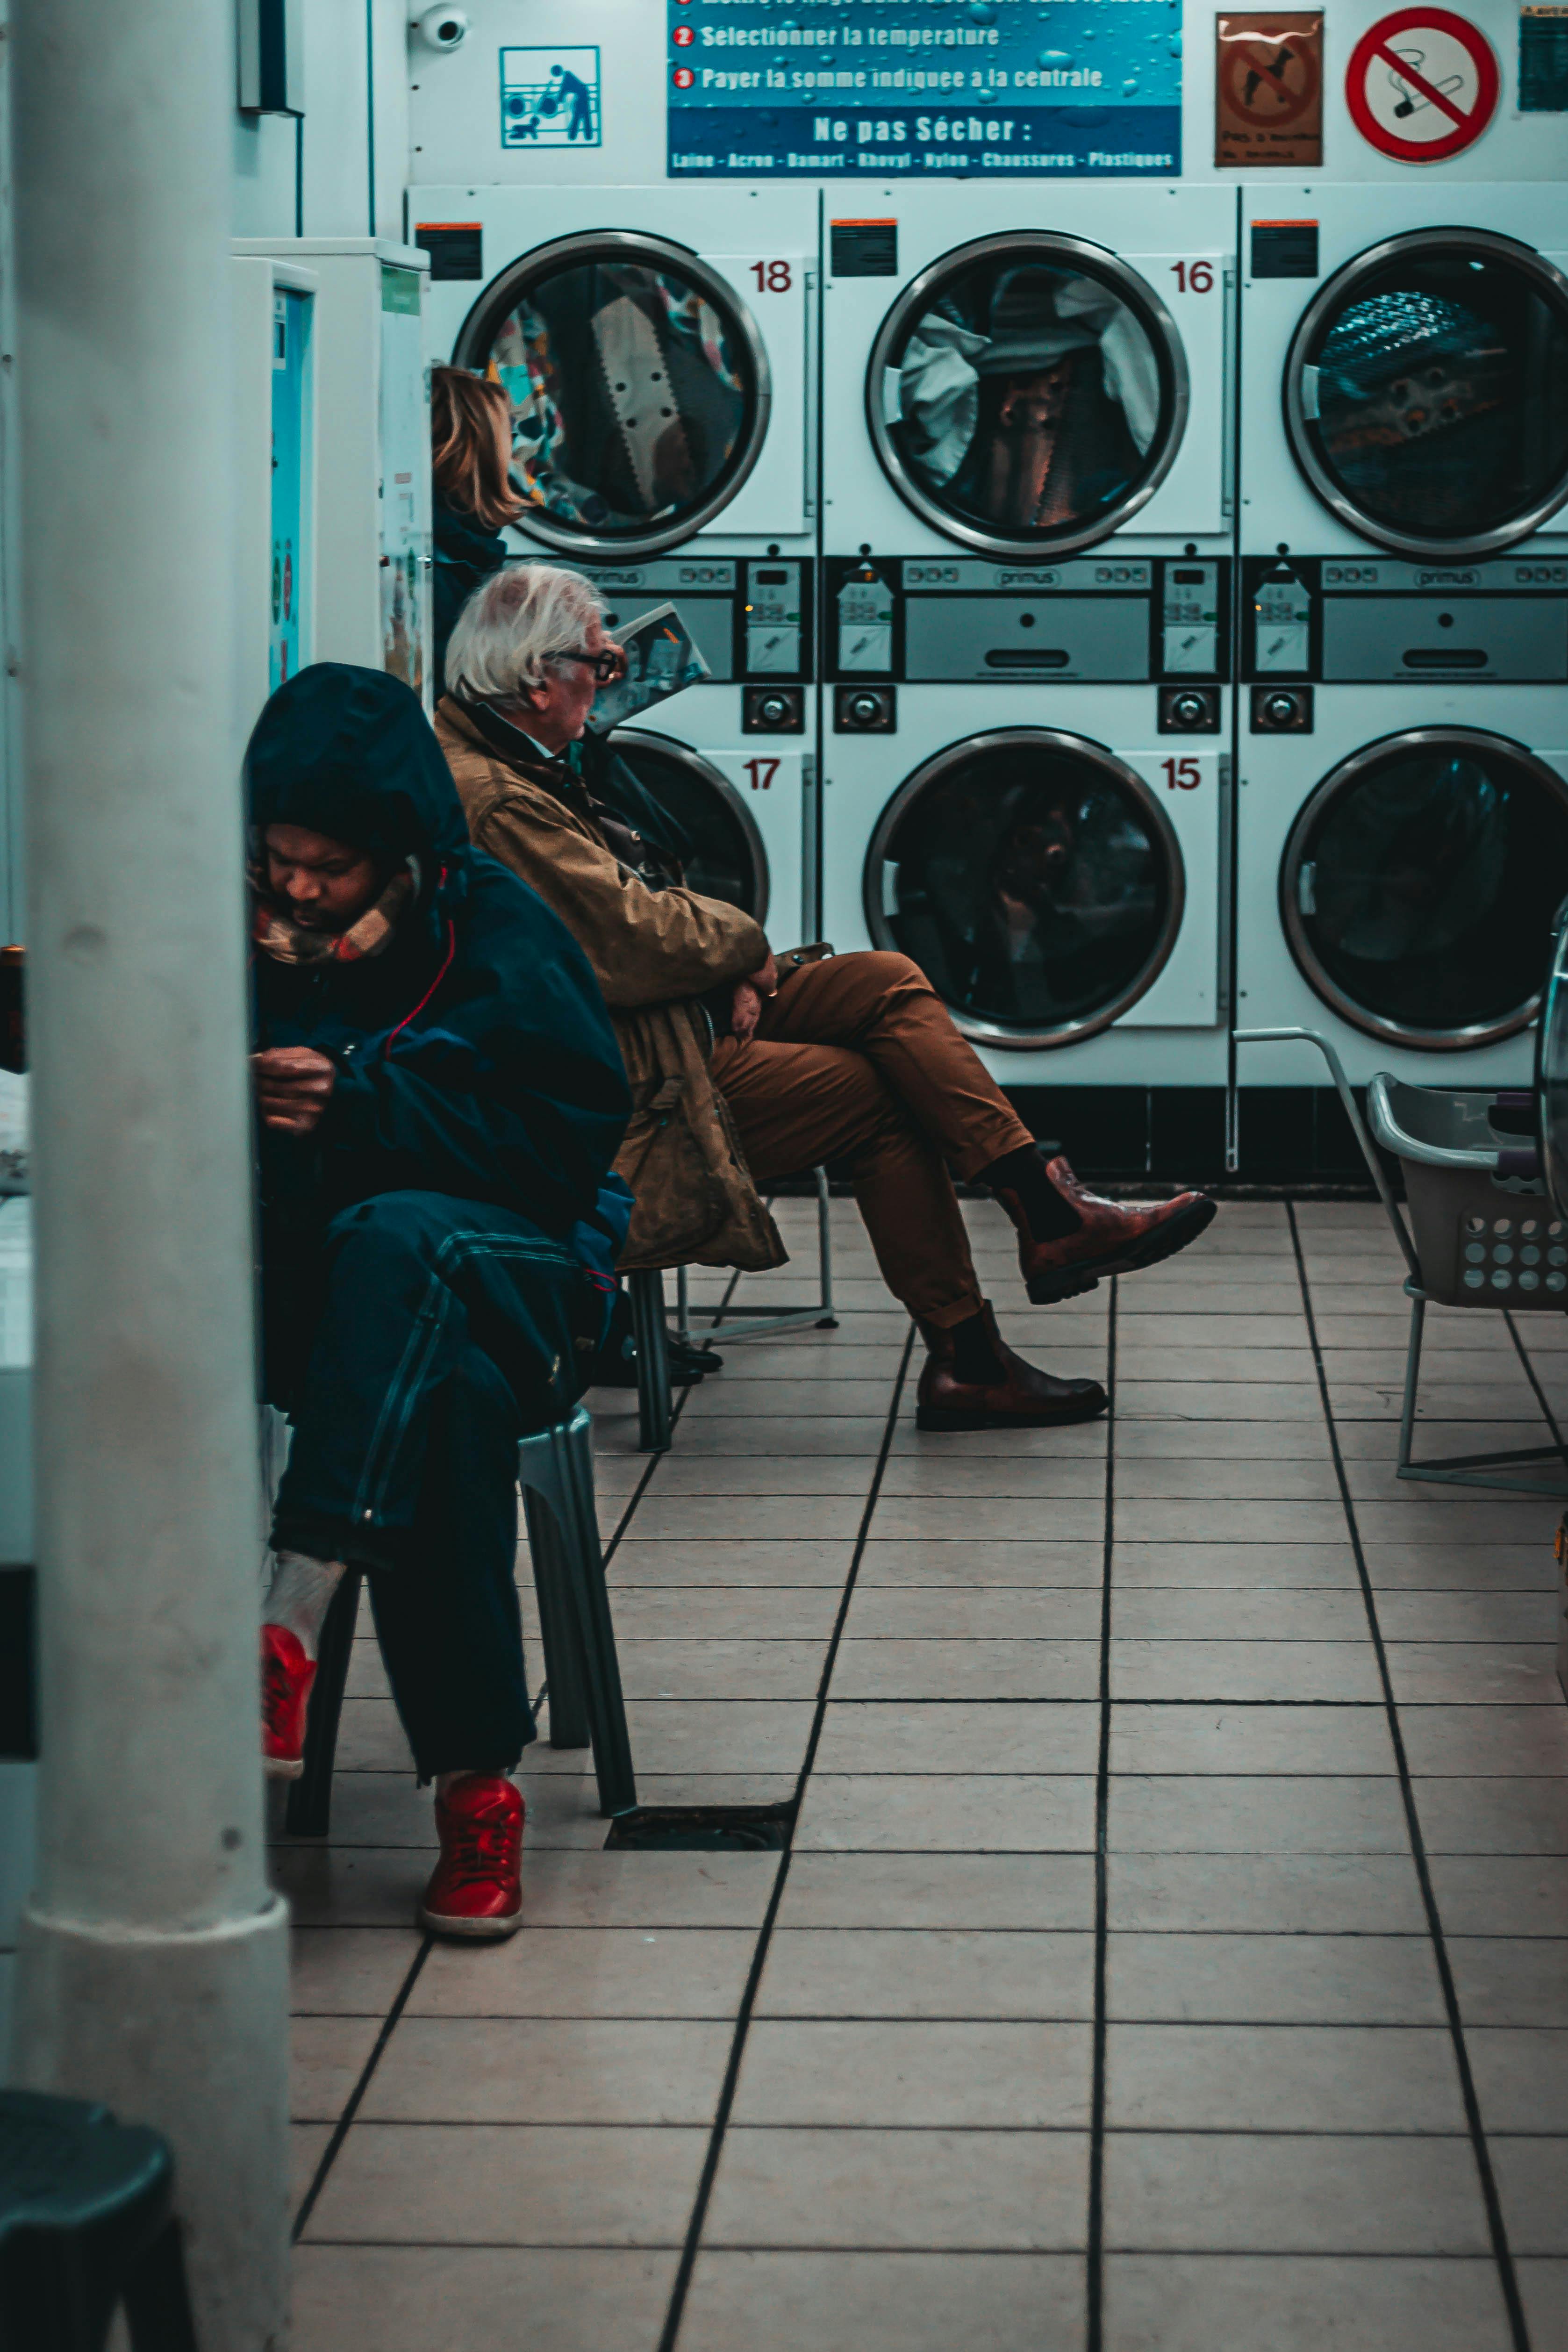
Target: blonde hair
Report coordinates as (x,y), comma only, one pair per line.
(515,622)
(471,446)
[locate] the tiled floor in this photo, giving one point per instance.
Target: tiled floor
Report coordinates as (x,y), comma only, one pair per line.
(1173,1951)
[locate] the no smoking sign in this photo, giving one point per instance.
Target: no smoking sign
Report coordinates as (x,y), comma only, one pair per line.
(1422,85)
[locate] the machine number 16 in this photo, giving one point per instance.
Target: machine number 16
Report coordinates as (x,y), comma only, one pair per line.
(1182,775)
(1192,277)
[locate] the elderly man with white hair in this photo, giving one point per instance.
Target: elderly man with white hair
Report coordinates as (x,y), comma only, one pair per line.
(802,1057)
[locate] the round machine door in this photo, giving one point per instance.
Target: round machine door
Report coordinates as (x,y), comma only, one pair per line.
(1552,1077)
(715,833)
(1426,393)
(1026,393)
(1419,884)
(1034,878)
(639,389)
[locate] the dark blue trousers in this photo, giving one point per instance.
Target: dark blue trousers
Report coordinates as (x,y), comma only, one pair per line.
(411,1351)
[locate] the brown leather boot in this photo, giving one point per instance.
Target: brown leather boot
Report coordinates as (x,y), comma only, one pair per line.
(1012,1396)
(1113,1237)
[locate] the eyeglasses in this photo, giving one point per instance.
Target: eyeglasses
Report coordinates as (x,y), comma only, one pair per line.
(606,666)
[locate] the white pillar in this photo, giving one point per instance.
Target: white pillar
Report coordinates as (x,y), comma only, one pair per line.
(154,1969)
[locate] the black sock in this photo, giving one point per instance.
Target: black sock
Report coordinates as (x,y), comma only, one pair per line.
(1050,1218)
(975,1358)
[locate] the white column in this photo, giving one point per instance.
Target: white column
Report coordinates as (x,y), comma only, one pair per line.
(154,1969)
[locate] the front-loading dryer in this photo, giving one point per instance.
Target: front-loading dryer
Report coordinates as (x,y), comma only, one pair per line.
(1401,823)
(1026,373)
(656,344)
(745,810)
(1404,353)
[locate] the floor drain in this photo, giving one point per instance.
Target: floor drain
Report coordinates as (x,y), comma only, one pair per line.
(705,1828)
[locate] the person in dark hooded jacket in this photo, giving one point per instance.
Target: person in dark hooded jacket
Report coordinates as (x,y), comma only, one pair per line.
(440,1098)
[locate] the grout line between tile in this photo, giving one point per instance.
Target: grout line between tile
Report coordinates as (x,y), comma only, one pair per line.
(352,2105)
(1501,2252)
(748,1998)
(1094,2273)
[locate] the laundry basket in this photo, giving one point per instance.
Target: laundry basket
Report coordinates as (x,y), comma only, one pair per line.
(1483,1230)
(1485,1233)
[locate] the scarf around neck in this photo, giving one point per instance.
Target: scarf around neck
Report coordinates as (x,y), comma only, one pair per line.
(275,932)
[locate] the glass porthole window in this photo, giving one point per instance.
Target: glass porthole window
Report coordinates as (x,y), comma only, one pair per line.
(1026,393)
(639,388)
(1419,884)
(725,857)
(1426,393)
(1034,878)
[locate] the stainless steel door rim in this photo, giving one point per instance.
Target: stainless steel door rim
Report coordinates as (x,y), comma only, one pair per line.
(704,774)
(1332,298)
(1094,261)
(476,336)
(1099,760)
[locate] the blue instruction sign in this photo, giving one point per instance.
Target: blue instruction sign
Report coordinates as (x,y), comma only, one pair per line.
(549,98)
(972,88)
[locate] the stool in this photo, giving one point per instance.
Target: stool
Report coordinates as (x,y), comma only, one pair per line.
(582,1672)
(655,1417)
(86,2225)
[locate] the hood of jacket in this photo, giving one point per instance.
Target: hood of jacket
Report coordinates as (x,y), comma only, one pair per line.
(349,753)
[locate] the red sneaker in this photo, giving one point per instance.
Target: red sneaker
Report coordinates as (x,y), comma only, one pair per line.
(286,1675)
(476,1888)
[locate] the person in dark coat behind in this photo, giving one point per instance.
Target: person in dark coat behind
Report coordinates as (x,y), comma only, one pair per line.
(440,1098)
(472,495)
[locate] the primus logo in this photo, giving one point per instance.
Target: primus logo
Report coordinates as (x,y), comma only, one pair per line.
(1448,579)
(1030,579)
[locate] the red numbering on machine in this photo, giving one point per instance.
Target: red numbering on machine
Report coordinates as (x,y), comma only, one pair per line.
(772,277)
(761,773)
(1182,775)
(1192,277)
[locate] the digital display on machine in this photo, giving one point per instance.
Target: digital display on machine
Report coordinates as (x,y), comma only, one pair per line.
(1066,90)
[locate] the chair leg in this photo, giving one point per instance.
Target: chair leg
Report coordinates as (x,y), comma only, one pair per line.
(655,1424)
(570,1496)
(308,1812)
(568,1726)
(1412,1381)
(157,2300)
(827,1320)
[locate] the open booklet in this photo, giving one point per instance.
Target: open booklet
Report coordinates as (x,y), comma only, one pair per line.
(659,660)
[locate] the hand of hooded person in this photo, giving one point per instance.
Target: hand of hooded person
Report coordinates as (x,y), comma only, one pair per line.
(293,1086)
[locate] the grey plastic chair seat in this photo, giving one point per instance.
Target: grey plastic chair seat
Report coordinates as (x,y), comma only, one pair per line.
(86,2228)
(582,1672)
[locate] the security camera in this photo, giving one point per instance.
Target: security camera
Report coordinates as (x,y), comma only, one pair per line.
(442,28)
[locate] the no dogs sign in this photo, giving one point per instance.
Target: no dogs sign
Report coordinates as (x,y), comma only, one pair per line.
(1422,85)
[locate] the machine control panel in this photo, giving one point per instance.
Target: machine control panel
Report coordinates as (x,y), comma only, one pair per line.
(749,617)
(1102,619)
(1370,621)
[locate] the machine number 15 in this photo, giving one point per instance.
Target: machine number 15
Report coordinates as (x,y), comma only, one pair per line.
(1192,277)
(1182,775)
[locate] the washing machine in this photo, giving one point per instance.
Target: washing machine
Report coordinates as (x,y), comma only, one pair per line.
(1026,613)
(658,344)
(1402,824)
(1405,370)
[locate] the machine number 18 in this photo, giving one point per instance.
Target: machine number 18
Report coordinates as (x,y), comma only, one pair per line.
(772,277)
(1182,775)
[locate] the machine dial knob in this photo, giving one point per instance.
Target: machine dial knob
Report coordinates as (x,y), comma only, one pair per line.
(773,709)
(1190,710)
(1281,709)
(865,710)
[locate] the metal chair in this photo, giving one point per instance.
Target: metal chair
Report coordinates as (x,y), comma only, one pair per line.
(655,1417)
(1487,1163)
(87,2227)
(582,1672)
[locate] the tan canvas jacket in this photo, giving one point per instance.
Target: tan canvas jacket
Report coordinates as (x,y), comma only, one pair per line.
(653,951)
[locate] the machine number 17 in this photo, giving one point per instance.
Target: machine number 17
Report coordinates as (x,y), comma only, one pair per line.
(762,772)
(1182,775)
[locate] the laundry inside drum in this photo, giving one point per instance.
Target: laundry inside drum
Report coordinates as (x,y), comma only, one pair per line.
(631,395)
(1440,391)
(1033,883)
(1028,399)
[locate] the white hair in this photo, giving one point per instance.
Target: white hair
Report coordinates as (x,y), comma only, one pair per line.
(519,619)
